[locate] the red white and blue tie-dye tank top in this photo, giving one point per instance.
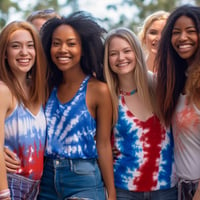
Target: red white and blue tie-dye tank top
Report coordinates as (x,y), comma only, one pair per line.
(25,134)
(143,153)
(70,127)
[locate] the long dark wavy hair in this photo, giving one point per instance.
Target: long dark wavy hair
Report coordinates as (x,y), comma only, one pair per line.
(171,68)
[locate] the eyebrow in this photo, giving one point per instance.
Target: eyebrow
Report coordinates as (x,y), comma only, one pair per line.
(122,49)
(57,38)
(191,26)
(17,41)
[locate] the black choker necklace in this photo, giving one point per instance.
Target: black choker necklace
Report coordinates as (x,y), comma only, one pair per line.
(124,93)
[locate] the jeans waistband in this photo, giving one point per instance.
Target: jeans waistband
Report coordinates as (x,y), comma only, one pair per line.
(64,162)
(188,181)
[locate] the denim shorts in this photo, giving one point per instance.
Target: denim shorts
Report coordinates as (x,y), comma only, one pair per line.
(22,188)
(71,179)
(167,194)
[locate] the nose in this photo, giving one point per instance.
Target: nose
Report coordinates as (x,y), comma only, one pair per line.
(64,47)
(24,50)
(183,36)
(120,56)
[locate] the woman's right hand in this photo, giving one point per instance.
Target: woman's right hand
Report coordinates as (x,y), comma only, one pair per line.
(11,160)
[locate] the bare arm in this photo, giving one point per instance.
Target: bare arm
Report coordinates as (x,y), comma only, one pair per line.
(104,121)
(197,193)
(5,104)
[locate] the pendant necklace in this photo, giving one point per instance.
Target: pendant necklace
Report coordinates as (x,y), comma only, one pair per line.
(124,93)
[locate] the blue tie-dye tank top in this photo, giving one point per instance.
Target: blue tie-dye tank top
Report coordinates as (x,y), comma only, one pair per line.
(25,135)
(70,127)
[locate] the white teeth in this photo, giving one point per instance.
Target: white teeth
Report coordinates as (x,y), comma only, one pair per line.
(184,46)
(23,60)
(63,59)
(122,64)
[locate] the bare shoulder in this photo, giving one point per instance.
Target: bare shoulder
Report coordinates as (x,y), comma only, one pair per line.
(99,99)
(5,92)
(98,87)
(4,89)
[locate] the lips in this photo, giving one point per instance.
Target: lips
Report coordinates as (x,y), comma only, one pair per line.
(155,44)
(23,61)
(184,47)
(122,64)
(63,59)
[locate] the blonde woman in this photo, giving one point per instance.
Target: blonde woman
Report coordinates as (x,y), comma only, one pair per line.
(150,34)
(143,148)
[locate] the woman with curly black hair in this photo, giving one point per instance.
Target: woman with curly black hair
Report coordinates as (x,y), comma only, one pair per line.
(78,156)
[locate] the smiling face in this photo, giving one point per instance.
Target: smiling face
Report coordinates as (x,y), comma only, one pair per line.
(66,48)
(121,56)
(185,38)
(20,52)
(153,35)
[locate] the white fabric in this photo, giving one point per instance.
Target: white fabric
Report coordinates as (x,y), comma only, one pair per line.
(186,131)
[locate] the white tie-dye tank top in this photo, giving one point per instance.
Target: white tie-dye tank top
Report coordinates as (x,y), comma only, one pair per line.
(186,131)
(25,135)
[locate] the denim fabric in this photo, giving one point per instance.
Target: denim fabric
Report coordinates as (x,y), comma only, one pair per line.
(22,188)
(168,194)
(187,189)
(66,178)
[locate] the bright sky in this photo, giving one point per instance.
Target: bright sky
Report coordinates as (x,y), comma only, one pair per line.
(96,7)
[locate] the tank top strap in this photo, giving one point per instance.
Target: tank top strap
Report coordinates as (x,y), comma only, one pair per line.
(84,83)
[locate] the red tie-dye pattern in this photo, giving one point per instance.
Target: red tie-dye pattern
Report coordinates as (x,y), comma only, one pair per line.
(32,161)
(151,136)
(151,139)
(185,119)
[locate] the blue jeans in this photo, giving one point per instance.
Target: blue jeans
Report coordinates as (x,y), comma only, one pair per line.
(66,178)
(167,194)
(22,188)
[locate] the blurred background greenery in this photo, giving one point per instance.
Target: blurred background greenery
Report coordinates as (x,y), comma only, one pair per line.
(137,9)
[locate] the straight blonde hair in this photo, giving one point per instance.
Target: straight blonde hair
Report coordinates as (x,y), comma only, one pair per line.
(140,74)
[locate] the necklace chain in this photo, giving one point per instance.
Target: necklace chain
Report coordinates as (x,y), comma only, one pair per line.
(125,93)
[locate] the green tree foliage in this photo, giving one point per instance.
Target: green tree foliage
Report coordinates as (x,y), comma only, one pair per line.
(146,7)
(42,5)
(5,5)
(198,2)
(140,9)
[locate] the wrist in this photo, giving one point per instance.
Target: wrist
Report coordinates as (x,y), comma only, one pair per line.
(5,194)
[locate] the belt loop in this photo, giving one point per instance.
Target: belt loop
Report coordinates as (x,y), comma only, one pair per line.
(71,164)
